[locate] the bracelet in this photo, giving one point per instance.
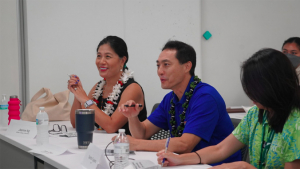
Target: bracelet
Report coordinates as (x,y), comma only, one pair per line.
(198,156)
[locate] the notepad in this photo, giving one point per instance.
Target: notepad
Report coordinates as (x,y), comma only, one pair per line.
(142,164)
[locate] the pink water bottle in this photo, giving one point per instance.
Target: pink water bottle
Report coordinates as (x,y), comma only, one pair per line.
(13,108)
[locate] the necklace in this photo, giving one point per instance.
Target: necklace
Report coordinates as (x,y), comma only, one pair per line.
(115,94)
(178,132)
(265,146)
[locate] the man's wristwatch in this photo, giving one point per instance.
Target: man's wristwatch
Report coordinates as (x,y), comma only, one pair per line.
(89,103)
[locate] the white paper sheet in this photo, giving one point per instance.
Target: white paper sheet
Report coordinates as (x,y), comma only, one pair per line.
(19,128)
(94,158)
(142,164)
(48,149)
(247,108)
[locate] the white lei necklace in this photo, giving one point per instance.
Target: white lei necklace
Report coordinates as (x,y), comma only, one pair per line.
(115,94)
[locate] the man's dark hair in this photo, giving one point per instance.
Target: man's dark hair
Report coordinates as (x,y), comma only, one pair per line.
(268,78)
(184,53)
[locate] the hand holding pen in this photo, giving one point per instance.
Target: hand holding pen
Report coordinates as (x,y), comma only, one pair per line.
(73,82)
(133,105)
(166,149)
(130,109)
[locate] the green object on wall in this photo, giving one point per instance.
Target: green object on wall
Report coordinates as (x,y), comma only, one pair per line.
(207,35)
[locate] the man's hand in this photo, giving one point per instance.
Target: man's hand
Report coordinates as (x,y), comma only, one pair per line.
(130,112)
(133,142)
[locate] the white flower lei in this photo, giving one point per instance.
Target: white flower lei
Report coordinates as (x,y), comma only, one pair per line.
(115,94)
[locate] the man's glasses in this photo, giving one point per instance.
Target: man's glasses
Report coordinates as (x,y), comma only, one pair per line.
(58,129)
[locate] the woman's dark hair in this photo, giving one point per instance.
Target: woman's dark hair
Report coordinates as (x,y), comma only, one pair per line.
(268,77)
(184,53)
(118,45)
(292,40)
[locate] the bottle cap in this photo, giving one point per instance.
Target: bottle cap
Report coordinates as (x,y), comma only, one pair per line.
(42,108)
(13,96)
(121,130)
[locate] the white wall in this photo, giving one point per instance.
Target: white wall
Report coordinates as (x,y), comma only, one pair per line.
(63,36)
(9,52)
(148,26)
(240,28)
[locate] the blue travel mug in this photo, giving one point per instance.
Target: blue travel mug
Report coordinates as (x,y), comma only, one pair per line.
(84,122)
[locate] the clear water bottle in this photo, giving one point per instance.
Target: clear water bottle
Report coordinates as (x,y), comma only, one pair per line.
(42,122)
(3,112)
(121,150)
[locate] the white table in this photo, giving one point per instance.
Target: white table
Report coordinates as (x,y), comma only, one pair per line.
(239,116)
(20,158)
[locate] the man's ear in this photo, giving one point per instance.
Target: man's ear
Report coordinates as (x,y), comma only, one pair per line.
(188,66)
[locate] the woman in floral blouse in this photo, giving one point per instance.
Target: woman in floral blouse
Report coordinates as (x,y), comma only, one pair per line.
(271,129)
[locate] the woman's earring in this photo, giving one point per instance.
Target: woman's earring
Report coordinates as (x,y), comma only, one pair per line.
(121,70)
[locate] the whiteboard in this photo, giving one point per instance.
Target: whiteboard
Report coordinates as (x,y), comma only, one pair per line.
(62,37)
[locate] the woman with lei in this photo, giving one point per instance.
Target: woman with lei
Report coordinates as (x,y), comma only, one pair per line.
(271,129)
(116,88)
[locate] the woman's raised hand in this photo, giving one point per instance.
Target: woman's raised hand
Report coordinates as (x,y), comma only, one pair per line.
(75,86)
(129,111)
(73,83)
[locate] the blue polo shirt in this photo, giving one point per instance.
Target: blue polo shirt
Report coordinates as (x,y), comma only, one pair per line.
(206,117)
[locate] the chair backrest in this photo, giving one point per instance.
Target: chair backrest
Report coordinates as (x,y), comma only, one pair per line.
(162,134)
(154,107)
(245,154)
(235,122)
(245,149)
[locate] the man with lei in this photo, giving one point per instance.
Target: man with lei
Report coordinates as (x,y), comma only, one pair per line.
(193,111)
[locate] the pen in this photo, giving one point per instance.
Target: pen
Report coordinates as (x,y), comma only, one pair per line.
(72,76)
(167,145)
(126,105)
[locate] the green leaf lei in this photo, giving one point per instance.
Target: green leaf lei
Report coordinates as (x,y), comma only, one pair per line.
(178,132)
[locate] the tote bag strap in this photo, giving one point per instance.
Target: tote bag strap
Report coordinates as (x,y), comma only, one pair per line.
(41,92)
